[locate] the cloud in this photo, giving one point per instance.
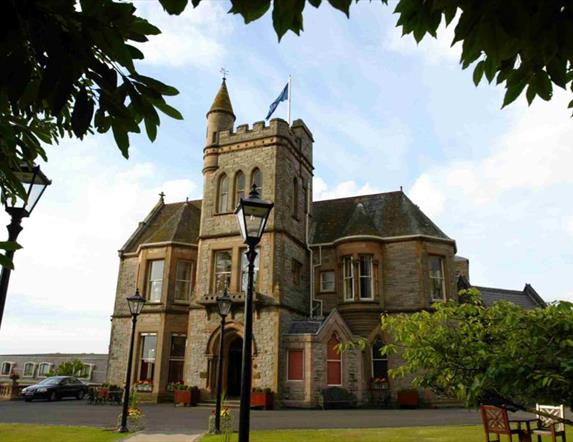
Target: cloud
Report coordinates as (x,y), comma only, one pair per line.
(321,191)
(67,269)
(432,50)
(509,207)
(194,38)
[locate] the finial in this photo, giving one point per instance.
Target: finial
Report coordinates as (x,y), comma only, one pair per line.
(224,72)
(401,189)
(162,196)
(186,200)
(254,194)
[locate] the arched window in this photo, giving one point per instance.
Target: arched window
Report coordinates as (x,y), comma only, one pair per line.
(223,194)
(257,179)
(6,368)
(239,187)
(295,197)
(379,362)
(333,362)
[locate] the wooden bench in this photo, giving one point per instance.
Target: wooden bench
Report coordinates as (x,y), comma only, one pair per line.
(336,397)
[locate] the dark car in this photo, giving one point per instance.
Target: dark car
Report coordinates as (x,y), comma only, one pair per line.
(56,387)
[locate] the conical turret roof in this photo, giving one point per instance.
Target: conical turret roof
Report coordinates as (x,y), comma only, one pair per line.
(222,102)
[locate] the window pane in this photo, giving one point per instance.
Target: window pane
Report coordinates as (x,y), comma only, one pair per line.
(155,280)
(155,290)
(147,364)
(178,346)
(29,369)
(245,271)
(295,365)
(223,194)
(156,269)
(183,280)
(365,266)
(436,266)
(332,351)
(365,288)
(258,180)
(239,187)
(327,281)
(222,270)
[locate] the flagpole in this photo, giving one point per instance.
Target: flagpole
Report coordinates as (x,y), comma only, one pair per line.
(289,98)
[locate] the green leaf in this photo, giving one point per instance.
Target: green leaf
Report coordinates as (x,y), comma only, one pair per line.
(82,114)
(121,139)
(250,10)
(543,85)
(174,7)
(530,93)
(342,5)
(10,245)
(157,85)
(478,72)
(570,105)
(287,15)
(513,91)
(315,3)
(168,110)
(557,69)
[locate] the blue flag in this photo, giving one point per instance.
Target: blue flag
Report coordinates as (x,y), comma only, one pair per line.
(282,97)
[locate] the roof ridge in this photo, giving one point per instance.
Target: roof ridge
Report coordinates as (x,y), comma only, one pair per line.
(498,289)
(357,196)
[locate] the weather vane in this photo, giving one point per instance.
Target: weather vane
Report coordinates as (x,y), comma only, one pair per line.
(224,72)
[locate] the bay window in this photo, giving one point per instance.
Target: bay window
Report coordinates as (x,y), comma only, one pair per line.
(155,280)
(437,286)
(222,273)
(365,277)
(176,358)
(348,278)
(183,278)
(147,356)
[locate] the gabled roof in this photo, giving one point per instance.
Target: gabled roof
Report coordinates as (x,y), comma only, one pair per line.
(386,215)
(526,298)
(176,222)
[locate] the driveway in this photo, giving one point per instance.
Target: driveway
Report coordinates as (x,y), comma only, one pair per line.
(166,418)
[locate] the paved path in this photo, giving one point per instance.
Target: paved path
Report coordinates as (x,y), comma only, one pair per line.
(159,437)
(168,419)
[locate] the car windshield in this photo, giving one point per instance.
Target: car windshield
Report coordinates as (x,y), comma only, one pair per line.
(50,381)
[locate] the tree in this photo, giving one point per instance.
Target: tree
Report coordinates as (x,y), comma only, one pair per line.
(73,367)
(502,355)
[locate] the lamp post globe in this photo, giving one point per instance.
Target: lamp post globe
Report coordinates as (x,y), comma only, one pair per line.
(224,304)
(135,304)
(252,214)
(34,183)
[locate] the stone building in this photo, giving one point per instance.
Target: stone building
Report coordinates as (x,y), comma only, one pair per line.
(325,272)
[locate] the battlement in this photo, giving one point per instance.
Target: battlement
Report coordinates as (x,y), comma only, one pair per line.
(259,129)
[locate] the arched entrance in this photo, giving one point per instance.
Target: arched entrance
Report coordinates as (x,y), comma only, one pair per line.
(233,362)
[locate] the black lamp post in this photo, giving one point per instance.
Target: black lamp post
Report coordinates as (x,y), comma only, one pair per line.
(252,214)
(224,304)
(34,183)
(135,304)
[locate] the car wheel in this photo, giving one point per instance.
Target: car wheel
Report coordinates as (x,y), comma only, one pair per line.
(80,395)
(53,396)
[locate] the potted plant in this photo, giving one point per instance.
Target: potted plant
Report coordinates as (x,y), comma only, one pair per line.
(262,398)
(181,394)
(144,386)
(408,398)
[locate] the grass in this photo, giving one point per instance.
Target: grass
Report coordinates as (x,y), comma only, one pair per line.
(55,433)
(473,433)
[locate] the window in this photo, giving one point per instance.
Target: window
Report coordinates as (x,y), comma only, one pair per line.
(295,363)
(176,358)
(85,372)
(239,187)
(295,198)
(155,280)
(327,281)
(257,179)
(222,272)
(365,277)
(348,278)
(333,362)
(437,287)
(44,368)
(6,368)
(29,368)
(223,195)
(379,361)
(296,272)
(147,360)
(305,196)
(245,271)
(183,277)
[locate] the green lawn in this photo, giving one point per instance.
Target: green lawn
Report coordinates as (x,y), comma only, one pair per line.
(414,434)
(53,433)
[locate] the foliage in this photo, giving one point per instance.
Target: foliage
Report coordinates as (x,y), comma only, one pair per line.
(72,367)
(68,69)
(525,45)
(502,355)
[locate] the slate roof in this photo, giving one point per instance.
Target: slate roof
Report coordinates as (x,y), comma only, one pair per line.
(178,222)
(387,214)
(526,298)
(307,326)
(222,101)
